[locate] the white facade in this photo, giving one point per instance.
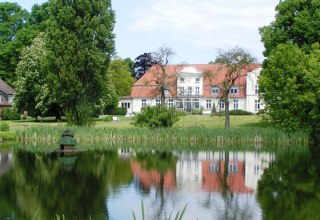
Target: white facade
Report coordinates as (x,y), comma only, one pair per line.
(191,93)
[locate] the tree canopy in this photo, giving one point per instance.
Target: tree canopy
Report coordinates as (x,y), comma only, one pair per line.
(80,43)
(142,63)
(289,82)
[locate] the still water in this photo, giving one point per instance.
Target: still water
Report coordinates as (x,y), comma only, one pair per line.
(112,184)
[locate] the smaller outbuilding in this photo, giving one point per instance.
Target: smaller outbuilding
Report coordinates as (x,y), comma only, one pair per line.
(67,141)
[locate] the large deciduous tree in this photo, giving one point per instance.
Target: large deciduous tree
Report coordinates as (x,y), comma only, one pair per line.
(32,88)
(81,43)
(236,63)
(14,36)
(289,82)
(121,76)
(142,64)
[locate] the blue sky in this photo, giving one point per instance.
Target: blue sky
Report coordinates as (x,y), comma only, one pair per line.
(194,29)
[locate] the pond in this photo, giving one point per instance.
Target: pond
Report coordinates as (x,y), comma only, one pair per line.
(111,184)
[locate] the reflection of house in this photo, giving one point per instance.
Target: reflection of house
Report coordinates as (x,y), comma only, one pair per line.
(152,177)
(191,87)
(5,162)
(6,95)
(208,168)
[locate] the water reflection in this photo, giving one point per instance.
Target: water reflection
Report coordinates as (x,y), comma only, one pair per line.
(111,184)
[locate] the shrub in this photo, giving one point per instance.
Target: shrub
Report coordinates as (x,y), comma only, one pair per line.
(156,117)
(10,114)
(4,126)
(197,111)
(107,118)
(181,113)
(239,112)
(117,111)
(213,110)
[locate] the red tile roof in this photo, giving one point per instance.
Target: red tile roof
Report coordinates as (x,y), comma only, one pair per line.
(146,86)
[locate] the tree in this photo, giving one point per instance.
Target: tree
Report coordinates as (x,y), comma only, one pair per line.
(39,16)
(142,64)
(297,21)
(236,63)
(130,64)
(15,34)
(120,76)
(289,80)
(290,86)
(80,43)
(32,88)
(159,75)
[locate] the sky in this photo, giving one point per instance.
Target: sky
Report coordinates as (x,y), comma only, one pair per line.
(194,29)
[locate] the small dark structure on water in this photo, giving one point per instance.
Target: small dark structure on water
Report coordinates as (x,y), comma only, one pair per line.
(67,141)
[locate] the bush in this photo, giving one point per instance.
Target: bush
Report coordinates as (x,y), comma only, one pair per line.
(197,111)
(156,117)
(4,127)
(10,114)
(117,111)
(239,112)
(181,113)
(107,118)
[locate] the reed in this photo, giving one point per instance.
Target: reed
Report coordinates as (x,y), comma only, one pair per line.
(191,136)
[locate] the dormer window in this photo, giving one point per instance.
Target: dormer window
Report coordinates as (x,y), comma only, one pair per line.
(197,80)
(215,90)
(234,90)
(181,79)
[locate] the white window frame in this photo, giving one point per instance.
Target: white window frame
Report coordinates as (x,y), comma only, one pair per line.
(208,103)
(197,90)
(197,80)
(221,104)
(256,89)
(196,103)
(181,79)
(234,90)
(181,90)
(236,104)
(125,105)
(189,91)
(158,102)
(215,90)
(170,102)
(143,102)
(257,104)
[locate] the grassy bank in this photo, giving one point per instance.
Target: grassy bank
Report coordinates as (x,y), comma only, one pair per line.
(192,136)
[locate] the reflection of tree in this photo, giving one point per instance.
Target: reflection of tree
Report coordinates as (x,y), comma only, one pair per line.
(290,187)
(40,182)
(162,162)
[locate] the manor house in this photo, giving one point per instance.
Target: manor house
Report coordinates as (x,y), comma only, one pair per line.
(198,86)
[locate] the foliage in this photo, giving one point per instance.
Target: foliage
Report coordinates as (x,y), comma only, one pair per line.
(4,126)
(120,77)
(108,118)
(289,188)
(239,112)
(197,111)
(15,34)
(10,114)
(237,62)
(156,117)
(81,43)
(181,113)
(297,21)
(130,64)
(213,110)
(118,111)
(81,115)
(33,92)
(142,64)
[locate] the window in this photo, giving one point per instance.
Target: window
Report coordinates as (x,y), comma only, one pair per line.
(208,104)
(197,80)
(170,102)
(233,168)
(157,101)
(196,103)
(256,89)
(179,104)
(214,167)
(181,90)
(181,79)
(0,98)
(143,102)
(215,90)
(125,104)
(10,98)
(233,90)
(221,104)
(189,92)
(236,104)
(197,90)
(257,104)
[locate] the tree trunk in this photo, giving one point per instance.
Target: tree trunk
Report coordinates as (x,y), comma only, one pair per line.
(227,113)
(163,97)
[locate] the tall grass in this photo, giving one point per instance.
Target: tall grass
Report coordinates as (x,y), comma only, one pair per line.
(192,136)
